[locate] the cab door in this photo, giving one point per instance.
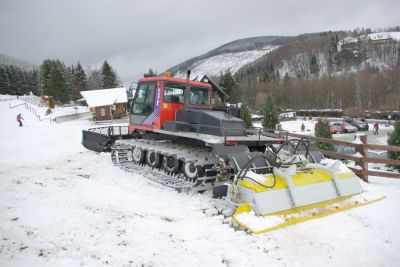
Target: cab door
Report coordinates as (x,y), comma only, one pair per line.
(144,110)
(172,101)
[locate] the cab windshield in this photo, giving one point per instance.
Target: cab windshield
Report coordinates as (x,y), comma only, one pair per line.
(143,104)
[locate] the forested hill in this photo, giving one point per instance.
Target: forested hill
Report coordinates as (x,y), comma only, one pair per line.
(236,47)
(355,70)
(12,61)
(17,76)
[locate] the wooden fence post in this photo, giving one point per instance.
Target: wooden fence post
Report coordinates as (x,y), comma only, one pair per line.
(363,150)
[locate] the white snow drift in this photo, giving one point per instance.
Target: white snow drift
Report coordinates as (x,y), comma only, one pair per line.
(61,205)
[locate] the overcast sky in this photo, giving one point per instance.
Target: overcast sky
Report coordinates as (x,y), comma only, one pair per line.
(137,35)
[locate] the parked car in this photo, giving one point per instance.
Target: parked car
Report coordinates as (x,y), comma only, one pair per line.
(334,128)
(360,125)
(347,128)
(350,151)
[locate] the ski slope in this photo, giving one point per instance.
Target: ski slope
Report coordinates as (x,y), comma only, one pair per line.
(213,66)
(62,205)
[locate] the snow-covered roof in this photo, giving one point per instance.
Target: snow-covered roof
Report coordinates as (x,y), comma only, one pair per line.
(384,36)
(105,97)
(349,40)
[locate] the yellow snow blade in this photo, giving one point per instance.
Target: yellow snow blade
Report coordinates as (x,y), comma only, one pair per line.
(246,218)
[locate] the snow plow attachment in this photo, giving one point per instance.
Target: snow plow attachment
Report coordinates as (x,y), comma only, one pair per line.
(290,195)
(102,138)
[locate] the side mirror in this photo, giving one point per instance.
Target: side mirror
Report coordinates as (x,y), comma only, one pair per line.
(129,104)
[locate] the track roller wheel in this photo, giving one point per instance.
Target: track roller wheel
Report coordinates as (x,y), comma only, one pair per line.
(190,170)
(153,159)
(171,164)
(114,156)
(138,155)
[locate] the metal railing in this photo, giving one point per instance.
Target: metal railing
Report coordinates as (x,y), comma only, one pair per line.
(361,162)
(31,109)
(111,130)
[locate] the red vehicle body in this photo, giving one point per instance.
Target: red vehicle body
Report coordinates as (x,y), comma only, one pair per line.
(173,126)
(158,98)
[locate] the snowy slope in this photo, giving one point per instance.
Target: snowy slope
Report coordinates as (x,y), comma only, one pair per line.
(61,205)
(213,66)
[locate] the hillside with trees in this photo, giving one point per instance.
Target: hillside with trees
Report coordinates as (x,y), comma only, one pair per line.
(65,83)
(241,45)
(332,70)
(53,78)
(353,71)
(15,80)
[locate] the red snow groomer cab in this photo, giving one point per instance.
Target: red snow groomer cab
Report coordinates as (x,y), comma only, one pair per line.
(158,98)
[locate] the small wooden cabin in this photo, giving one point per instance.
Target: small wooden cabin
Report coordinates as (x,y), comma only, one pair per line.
(106,104)
(380,38)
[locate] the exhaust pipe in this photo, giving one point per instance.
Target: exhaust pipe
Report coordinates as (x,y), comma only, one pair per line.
(187,90)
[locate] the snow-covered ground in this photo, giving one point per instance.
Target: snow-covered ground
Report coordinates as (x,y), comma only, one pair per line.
(62,205)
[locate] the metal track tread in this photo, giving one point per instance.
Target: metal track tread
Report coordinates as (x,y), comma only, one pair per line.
(176,182)
(122,155)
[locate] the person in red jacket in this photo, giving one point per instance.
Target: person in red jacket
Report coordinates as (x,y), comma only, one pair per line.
(19,119)
(376,128)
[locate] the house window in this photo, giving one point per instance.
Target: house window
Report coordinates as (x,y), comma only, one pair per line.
(103,112)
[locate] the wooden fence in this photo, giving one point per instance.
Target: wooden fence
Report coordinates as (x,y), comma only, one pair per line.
(361,168)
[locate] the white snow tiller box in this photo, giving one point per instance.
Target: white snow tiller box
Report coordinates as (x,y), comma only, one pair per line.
(292,195)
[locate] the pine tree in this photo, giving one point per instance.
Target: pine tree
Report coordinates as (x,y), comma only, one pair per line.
(394,140)
(228,82)
(44,77)
(245,114)
(323,130)
(79,81)
(32,82)
(52,80)
(61,91)
(109,76)
(4,83)
(314,67)
(268,74)
(270,113)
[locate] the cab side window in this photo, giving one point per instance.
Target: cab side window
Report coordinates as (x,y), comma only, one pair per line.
(173,93)
(199,96)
